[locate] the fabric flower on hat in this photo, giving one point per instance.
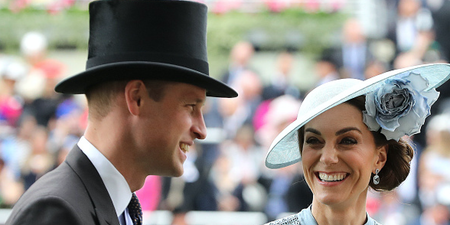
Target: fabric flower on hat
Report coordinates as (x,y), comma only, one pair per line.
(399,106)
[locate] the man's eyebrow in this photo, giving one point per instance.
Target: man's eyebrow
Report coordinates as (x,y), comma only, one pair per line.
(201,101)
(196,100)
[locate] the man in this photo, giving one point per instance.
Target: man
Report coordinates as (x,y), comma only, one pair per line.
(146,82)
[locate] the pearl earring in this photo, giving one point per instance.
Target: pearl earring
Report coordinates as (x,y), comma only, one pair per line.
(376,178)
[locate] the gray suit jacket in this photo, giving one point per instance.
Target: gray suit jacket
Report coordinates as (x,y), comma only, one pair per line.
(73,193)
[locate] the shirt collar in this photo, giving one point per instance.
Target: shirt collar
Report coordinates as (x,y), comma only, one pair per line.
(115,183)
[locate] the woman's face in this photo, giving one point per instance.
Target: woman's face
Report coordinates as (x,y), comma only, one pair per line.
(339,155)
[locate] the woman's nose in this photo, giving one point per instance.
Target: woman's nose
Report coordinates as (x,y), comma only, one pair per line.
(329,155)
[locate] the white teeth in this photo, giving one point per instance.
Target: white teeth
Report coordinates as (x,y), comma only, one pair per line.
(184,147)
(332,177)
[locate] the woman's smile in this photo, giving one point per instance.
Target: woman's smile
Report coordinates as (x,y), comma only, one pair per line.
(331,177)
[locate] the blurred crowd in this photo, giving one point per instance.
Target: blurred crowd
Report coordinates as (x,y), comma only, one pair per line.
(215,6)
(225,172)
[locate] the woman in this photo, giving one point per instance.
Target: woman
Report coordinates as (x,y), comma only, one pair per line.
(348,137)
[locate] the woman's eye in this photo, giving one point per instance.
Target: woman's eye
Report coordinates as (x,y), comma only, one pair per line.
(348,141)
(312,141)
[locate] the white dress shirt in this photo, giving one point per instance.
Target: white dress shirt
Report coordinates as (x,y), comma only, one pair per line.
(116,185)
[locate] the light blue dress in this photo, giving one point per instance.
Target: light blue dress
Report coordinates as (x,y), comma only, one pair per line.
(305,217)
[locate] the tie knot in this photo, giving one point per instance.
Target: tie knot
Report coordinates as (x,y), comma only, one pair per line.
(135,211)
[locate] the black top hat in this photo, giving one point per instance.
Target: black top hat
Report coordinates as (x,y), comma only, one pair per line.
(147,39)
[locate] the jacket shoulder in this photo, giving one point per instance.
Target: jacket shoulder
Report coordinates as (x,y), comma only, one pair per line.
(45,211)
(57,196)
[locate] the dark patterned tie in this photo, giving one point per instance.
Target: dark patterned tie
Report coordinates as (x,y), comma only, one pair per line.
(134,208)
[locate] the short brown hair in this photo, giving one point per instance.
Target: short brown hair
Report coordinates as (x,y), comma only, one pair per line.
(399,155)
(100,97)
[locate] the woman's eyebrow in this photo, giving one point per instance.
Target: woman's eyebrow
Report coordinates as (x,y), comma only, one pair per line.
(347,129)
(312,130)
(339,132)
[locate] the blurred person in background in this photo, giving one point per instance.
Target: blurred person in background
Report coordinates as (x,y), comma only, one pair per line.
(11,103)
(225,184)
(410,21)
(69,123)
(349,140)
(34,49)
(41,100)
(392,210)
(374,68)
(437,214)
(240,57)
(286,188)
(280,83)
(434,164)
(241,110)
(288,192)
(10,188)
(193,191)
(145,94)
(236,173)
(280,112)
(16,147)
(326,68)
(433,174)
(352,56)
(39,161)
(441,19)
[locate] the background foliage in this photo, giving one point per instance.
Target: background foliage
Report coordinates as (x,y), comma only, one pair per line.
(293,29)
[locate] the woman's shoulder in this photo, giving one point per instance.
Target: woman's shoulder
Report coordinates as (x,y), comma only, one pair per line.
(305,217)
(289,220)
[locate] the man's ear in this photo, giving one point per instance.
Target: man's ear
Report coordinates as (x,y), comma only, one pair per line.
(382,157)
(134,91)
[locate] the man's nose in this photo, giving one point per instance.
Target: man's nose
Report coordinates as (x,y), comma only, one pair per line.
(199,127)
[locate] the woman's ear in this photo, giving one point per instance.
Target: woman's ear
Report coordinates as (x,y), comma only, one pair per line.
(134,91)
(382,157)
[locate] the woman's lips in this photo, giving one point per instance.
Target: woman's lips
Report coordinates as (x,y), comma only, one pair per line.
(331,177)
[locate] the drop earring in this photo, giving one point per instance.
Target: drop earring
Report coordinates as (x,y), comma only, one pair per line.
(376,178)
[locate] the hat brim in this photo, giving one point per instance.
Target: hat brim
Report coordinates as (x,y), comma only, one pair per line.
(285,150)
(79,83)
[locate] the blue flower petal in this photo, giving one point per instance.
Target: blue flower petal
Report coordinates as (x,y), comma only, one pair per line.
(370,122)
(400,106)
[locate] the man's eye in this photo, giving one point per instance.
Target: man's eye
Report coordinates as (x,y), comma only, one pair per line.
(192,106)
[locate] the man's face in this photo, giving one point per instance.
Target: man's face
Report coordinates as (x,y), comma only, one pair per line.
(168,127)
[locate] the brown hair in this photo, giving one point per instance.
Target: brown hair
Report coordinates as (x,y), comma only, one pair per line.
(399,155)
(100,97)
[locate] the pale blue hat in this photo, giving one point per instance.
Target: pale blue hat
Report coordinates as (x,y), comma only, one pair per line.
(285,151)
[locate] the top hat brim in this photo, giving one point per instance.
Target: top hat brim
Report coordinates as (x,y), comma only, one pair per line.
(285,150)
(79,83)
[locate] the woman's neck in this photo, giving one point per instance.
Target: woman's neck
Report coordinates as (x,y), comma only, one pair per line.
(342,214)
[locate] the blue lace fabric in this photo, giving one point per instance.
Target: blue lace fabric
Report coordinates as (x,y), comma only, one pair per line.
(305,217)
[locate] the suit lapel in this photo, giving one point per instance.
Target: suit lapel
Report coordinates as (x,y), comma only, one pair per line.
(100,198)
